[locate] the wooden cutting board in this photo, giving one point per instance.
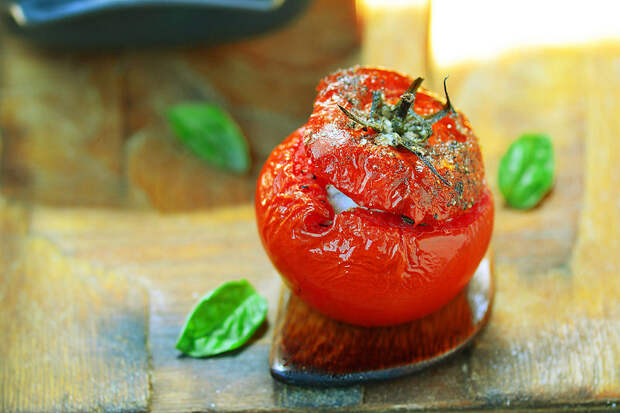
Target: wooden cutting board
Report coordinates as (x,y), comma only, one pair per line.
(92,300)
(123,281)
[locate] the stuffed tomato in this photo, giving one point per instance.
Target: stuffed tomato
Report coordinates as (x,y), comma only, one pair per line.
(376,211)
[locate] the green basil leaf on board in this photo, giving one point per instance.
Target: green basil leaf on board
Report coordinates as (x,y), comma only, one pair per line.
(212,134)
(223,320)
(526,171)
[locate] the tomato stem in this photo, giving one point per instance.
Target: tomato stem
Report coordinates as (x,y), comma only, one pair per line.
(407,99)
(400,126)
(447,108)
(430,166)
(376,103)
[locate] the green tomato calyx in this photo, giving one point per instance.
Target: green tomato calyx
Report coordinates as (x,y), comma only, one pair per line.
(399,125)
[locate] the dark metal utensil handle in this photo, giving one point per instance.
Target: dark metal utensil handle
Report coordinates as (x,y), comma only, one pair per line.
(38,12)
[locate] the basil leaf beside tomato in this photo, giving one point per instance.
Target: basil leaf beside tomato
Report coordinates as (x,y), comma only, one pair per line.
(223,320)
(526,171)
(212,134)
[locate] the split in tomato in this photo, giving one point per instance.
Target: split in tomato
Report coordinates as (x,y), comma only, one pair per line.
(417,218)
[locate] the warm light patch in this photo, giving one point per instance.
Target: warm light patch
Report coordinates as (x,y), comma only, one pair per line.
(390,4)
(395,34)
(481,29)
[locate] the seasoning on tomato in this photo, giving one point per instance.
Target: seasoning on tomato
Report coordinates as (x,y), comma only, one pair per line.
(376,211)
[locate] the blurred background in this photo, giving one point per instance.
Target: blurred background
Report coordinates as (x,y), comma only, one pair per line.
(84,85)
(86,127)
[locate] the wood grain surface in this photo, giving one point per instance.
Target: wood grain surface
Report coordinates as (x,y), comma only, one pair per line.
(74,337)
(88,129)
(95,285)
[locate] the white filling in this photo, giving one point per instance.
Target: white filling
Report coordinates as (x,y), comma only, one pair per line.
(339,201)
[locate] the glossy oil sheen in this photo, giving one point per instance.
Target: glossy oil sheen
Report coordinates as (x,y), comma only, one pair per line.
(387,178)
(360,266)
(310,349)
(369,266)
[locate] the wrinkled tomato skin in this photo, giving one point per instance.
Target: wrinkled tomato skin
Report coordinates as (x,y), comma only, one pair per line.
(360,266)
(387,178)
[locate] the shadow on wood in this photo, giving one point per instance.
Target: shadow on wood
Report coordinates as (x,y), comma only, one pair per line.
(310,349)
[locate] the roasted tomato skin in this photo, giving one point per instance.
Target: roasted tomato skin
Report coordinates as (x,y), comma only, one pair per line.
(387,178)
(361,266)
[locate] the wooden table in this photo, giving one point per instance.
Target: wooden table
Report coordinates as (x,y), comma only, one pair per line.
(95,282)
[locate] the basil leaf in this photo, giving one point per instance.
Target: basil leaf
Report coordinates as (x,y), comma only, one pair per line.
(526,171)
(223,320)
(212,134)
